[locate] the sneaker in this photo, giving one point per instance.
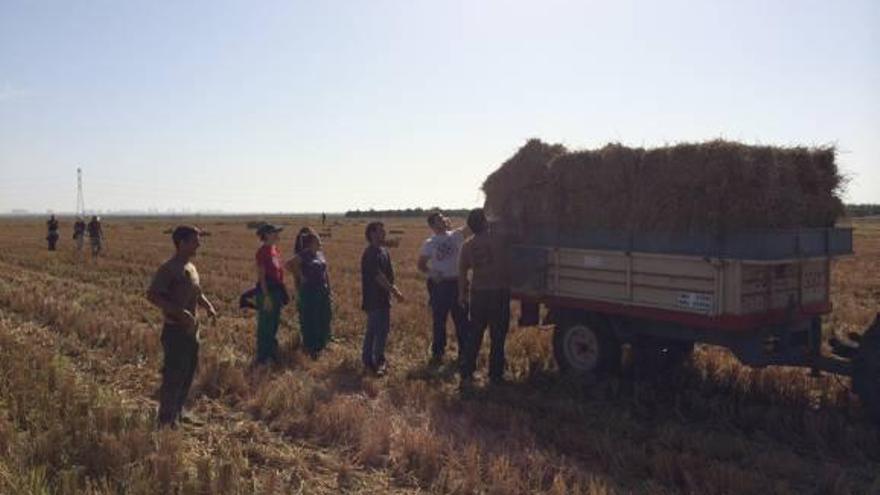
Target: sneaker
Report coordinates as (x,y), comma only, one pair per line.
(382,369)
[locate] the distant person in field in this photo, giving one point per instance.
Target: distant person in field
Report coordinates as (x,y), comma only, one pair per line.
(96,236)
(377,285)
(323,219)
(438,259)
(309,269)
(176,291)
(79,233)
(272,295)
(486,257)
(52,236)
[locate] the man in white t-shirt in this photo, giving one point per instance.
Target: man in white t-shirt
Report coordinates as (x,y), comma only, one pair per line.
(438,259)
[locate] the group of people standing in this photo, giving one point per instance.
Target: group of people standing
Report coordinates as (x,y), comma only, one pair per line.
(311,283)
(467,278)
(94,230)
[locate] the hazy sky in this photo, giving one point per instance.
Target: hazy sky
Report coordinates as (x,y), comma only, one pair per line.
(311,106)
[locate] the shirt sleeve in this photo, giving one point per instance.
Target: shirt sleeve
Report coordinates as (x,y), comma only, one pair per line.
(390,274)
(427,248)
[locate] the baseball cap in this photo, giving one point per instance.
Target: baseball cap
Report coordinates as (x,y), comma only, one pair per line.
(267,229)
(182,232)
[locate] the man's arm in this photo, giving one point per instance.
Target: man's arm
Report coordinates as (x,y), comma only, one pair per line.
(423,263)
(425,254)
(464,265)
(383,282)
(205,303)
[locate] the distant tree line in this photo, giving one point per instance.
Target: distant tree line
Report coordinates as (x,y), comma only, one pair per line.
(407,213)
(863,210)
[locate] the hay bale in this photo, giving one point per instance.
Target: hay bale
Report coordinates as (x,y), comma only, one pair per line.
(524,171)
(712,187)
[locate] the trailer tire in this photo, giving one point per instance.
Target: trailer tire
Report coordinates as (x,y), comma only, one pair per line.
(581,348)
(866,370)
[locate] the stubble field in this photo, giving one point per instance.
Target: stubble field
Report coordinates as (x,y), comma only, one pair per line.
(80,356)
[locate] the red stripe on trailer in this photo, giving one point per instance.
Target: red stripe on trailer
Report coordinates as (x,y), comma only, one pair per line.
(723,322)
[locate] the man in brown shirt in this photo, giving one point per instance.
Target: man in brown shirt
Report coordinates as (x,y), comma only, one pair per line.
(176,291)
(486,255)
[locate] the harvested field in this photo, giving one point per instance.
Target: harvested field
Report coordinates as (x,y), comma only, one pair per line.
(80,354)
(714,187)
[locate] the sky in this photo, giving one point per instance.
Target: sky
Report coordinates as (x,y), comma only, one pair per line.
(291,106)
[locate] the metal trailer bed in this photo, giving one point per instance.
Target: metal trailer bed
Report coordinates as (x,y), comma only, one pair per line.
(759,294)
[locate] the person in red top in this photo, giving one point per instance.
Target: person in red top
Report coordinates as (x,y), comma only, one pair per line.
(272,294)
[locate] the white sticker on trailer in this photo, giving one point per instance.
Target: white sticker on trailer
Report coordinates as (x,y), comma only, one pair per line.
(693,300)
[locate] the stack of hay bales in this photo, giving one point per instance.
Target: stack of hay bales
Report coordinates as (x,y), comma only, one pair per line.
(715,187)
(520,190)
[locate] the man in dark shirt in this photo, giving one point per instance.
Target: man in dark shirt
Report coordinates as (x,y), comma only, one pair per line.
(377,282)
(176,291)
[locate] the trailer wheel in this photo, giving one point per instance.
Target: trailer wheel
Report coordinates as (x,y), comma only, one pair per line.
(866,370)
(581,348)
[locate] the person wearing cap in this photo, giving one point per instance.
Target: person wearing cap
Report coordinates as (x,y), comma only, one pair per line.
(272,295)
(486,256)
(309,269)
(438,259)
(175,289)
(96,236)
(377,283)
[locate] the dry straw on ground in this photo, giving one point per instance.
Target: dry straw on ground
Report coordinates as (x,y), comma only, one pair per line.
(306,426)
(712,187)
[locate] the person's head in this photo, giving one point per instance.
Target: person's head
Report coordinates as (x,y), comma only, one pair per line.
(186,240)
(300,237)
(52,217)
(375,233)
(438,222)
(476,221)
(311,242)
(94,218)
(269,233)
